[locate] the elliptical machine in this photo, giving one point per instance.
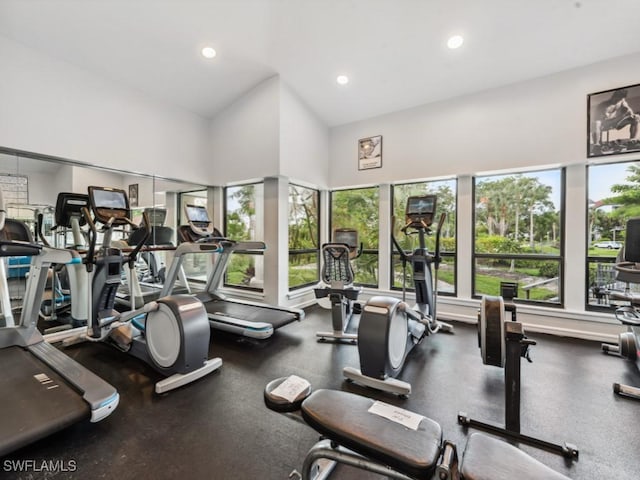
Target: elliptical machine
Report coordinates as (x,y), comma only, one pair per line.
(170,334)
(339,295)
(389,328)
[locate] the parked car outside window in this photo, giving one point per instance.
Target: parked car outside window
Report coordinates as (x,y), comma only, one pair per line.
(608,244)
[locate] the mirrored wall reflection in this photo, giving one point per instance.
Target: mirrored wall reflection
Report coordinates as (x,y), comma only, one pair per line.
(31,188)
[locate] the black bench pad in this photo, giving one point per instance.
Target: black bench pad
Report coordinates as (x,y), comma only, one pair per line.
(343,418)
(487,458)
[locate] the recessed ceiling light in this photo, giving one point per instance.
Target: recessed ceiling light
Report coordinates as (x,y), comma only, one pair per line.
(208,52)
(342,79)
(455,41)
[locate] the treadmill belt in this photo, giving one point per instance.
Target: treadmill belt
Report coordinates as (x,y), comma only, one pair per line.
(250,313)
(34,400)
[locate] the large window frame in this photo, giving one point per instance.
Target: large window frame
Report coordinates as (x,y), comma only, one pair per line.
(368,260)
(606,216)
(240,257)
(448,255)
(313,236)
(522,261)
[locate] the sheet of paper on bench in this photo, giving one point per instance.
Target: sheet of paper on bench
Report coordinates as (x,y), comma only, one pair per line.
(396,414)
(291,388)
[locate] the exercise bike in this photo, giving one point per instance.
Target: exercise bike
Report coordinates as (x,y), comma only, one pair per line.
(170,334)
(503,344)
(339,295)
(389,328)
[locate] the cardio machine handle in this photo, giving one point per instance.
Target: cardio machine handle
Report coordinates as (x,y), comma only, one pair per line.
(93,234)
(147,233)
(436,260)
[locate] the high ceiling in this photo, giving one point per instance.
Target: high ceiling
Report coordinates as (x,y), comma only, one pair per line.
(394,51)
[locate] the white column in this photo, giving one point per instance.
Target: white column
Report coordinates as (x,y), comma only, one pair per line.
(464,229)
(384,237)
(574,280)
(276,236)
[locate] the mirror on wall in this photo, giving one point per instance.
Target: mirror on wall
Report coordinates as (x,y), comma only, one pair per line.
(30,187)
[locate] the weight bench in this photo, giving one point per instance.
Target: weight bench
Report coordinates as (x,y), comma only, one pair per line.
(353,436)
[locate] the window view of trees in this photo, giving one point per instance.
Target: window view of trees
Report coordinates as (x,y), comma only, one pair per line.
(358,208)
(244,221)
(613,198)
(518,234)
(303,236)
(446,192)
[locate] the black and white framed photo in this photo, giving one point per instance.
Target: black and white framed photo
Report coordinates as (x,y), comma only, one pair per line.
(133,195)
(370,152)
(613,121)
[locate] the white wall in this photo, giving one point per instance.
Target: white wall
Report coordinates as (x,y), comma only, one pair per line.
(244,137)
(538,122)
(304,141)
(53,108)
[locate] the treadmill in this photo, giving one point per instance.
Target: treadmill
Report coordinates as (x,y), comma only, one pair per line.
(42,390)
(249,319)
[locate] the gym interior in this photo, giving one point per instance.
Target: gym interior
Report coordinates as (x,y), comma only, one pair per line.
(300,239)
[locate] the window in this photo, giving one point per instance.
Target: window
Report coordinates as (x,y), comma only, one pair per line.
(518,235)
(244,221)
(303,236)
(446,203)
(613,197)
(358,208)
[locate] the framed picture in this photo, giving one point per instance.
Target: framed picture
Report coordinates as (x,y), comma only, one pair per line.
(133,195)
(370,152)
(613,121)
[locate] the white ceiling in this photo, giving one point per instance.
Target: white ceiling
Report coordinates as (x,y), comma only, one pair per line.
(393,50)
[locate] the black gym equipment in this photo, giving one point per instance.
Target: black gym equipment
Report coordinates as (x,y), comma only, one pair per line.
(339,292)
(170,334)
(252,320)
(389,328)
(42,390)
(628,271)
(502,344)
(352,435)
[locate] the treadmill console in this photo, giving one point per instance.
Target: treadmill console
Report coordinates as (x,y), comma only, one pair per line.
(420,210)
(199,219)
(108,203)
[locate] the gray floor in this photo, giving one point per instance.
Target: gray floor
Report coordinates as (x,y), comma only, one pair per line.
(219,428)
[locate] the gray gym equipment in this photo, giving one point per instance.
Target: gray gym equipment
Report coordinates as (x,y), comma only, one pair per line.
(390,328)
(353,436)
(502,344)
(339,294)
(628,271)
(170,334)
(248,319)
(42,390)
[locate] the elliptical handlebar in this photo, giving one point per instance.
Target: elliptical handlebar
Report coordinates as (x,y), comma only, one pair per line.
(147,233)
(93,235)
(436,253)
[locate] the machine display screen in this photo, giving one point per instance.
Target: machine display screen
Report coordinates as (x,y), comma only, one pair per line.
(110,199)
(421,205)
(348,237)
(157,216)
(197,214)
